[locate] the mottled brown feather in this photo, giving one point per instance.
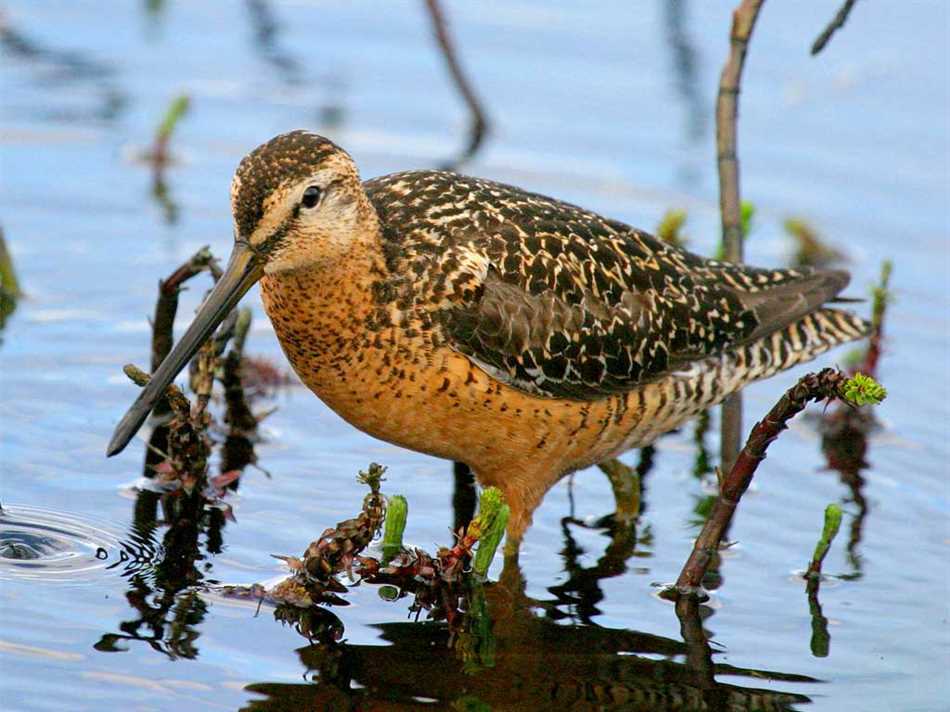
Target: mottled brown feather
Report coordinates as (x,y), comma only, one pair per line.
(560,302)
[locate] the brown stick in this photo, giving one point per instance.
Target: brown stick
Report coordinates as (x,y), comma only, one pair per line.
(166,307)
(837,22)
(814,386)
(727,110)
(479,124)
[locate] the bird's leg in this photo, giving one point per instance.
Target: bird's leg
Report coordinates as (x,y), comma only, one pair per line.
(464,496)
(625,484)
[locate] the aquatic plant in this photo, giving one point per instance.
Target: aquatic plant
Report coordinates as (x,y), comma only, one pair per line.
(828,384)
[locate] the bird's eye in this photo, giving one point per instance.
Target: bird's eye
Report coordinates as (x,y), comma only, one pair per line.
(311,196)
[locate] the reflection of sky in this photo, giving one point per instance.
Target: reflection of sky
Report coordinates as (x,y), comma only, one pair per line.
(584,105)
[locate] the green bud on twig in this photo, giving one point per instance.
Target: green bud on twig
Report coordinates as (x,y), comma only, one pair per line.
(747,212)
(670,228)
(490,524)
(397,511)
(177,109)
(881,295)
(828,533)
(863,390)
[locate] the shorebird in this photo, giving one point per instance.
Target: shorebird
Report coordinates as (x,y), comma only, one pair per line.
(478,322)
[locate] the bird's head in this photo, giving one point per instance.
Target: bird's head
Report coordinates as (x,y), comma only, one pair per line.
(297,201)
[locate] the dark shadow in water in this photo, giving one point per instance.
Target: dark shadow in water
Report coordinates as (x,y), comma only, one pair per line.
(686,80)
(267,41)
(56,69)
(478,122)
(164,199)
(164,581)
(844,442)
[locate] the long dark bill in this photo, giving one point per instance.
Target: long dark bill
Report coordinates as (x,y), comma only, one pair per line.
(242,272)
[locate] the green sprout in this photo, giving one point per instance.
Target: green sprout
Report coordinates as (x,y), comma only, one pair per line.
(670,228)
(397,511)
(863,390)
(746,214)
(812,249)
(828,533)
(490,525)
(176,110)
(881,295)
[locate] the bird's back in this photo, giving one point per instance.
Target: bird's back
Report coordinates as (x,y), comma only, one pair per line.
(561,302)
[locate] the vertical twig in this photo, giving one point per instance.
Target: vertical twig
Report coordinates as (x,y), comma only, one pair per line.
(727,109)
(836,23)
(882,297)
(479,124)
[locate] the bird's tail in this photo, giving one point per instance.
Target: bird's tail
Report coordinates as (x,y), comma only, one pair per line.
(800,341)
(705,383)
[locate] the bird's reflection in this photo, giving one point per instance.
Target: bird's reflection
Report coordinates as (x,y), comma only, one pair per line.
(537,663)
(844,442)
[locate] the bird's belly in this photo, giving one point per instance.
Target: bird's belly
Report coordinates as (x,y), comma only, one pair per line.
(444,405)
(397,386)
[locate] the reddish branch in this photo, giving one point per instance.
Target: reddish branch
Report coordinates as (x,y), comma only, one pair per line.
(727,110)
(881,298)
(167,305)
(815,386)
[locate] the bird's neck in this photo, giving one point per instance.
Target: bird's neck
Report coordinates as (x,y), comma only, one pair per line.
(319,311)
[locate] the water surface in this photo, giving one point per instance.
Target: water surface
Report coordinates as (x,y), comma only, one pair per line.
(608,108)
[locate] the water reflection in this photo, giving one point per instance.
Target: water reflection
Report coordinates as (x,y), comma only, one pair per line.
(844,442)
(537,664)
(164,587)
(57,69)
(511,651)
(267,41)
(687,81)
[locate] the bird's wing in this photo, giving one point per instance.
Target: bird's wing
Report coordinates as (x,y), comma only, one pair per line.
(561,302)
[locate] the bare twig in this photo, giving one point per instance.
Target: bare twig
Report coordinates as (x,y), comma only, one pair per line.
(479,124)
(826,384)
(727,109)
(166,306)
(836,23)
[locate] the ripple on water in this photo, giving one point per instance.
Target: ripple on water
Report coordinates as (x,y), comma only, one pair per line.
(44,544)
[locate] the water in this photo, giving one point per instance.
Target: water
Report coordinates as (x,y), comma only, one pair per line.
(609,109)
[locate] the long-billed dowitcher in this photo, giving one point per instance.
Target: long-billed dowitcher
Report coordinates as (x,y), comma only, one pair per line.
(475,321)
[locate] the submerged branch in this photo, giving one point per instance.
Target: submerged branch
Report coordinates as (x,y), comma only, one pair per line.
(837,22)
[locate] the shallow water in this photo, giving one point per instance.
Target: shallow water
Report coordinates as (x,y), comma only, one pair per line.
(608,109)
